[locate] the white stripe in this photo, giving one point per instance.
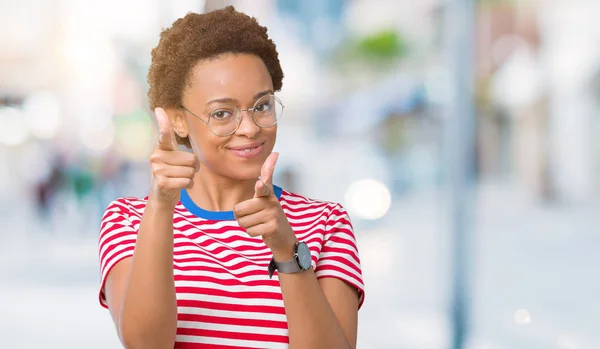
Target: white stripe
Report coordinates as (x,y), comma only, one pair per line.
(232,328)
(350,252)
(229,300)
(231,342)
(231,288)
(215,225)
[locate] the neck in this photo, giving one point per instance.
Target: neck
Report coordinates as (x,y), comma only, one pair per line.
(213,192)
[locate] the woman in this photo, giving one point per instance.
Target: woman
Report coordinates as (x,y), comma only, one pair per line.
(214,257)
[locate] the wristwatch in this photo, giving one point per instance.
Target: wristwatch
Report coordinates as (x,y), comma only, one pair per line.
(300,262)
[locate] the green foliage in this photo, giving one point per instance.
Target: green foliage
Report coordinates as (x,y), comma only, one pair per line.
(386,44)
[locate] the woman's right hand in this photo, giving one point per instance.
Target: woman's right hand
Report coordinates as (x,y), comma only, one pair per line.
(172,169)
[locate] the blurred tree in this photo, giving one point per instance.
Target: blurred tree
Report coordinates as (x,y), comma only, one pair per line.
(385,44)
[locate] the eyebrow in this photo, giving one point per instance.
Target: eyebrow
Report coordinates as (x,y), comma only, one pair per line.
(233,100)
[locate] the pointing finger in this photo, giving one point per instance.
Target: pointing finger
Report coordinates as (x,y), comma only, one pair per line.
(264,186)
(166,136)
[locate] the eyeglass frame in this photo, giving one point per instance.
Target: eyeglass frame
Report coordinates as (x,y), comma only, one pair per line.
(239,118)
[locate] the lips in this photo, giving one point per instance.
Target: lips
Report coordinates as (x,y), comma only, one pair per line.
(247,147)
(247,151)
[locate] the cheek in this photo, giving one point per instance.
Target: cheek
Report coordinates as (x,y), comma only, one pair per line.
(271,134)
(206,145)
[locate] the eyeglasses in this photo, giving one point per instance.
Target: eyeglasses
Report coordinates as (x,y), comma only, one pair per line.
(226,119)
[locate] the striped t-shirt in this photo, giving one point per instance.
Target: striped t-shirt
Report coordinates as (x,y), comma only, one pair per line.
(225,298)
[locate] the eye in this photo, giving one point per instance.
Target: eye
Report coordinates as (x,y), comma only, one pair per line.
(263,107)
(221,114)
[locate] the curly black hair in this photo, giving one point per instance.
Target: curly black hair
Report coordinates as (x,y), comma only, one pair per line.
(196,37)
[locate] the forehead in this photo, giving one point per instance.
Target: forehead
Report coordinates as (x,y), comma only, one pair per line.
(236,76)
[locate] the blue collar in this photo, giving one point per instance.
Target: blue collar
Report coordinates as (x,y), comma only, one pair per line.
(197,211)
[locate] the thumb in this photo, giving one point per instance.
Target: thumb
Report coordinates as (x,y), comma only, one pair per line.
(264,186)
(166,135)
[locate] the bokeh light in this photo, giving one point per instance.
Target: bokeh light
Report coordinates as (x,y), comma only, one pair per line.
(42,113)
(99,139)
(368,199)
(522,317)
(13,130)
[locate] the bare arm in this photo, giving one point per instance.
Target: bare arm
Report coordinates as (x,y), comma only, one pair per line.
(321,313)
(140,290)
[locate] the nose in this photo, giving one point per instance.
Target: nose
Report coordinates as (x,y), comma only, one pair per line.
(247,126)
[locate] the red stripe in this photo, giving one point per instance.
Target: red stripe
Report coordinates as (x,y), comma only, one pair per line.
(229,282)
(262,250)
(110,234)
(111,247)
(269,338)
(342,260)
(267,309)
(303,206)
(336,222)
(325,268)
(186,345)
(221,271)
(228,294)
(117,219)
(309,226)
(315,215)
(233,321)
(260,260)
(361,290)
(242,263)
(341,240)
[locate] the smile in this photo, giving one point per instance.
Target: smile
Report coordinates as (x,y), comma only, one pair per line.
(247,151)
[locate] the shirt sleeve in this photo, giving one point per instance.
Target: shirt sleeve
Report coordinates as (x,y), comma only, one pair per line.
(116,242)
(339,256)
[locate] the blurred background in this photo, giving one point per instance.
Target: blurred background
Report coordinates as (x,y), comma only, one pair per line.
(371,101)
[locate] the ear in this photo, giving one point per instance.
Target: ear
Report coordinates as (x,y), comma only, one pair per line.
(179,121)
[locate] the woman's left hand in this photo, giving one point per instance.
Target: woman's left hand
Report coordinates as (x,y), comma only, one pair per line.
(263,215)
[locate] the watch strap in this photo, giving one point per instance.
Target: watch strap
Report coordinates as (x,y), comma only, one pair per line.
(286,267)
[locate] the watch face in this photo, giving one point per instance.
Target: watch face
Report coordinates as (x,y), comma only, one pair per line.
(303,256)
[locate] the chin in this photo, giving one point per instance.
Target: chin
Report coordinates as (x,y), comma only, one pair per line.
(247,172)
